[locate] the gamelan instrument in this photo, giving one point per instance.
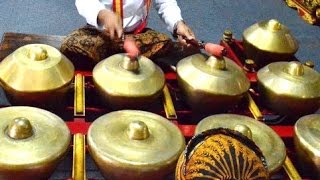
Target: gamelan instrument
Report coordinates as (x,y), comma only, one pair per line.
(127,143)
(262,135)
(306,142)
(269,41)
(134,144)
(36,74)
(210,83)
(128,80)
(290,88)
(33,142)
(221,153)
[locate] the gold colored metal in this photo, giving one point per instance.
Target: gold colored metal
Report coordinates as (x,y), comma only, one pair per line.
(254,109)
(34,155)
(294,68)
(290,3)
(135,144)
(291,170)
(20,128)
(271,36)
(309,63)
(249,65)
(308,9)
(306,141)
(79,95)
(318,13)
(266,139)
(243,129)
(211,83)
(138,130)
(35,72)
(130,64)
(227,36)
(274,25)
(168,104)
(79,157)
(288,166)
(308,18)
(269,41)
(122,88)
(313,10)
(37,53)
(23,73)
(249,62)
(216,63)
(290,88)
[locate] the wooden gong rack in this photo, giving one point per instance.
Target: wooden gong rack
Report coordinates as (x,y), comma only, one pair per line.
(82,106)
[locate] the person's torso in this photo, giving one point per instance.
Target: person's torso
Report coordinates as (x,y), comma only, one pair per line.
(134,12)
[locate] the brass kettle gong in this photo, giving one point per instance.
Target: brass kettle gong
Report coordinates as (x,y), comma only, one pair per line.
(35,74)
(211,84)
(269,41)
(33,142)
(128,83)
(134,144)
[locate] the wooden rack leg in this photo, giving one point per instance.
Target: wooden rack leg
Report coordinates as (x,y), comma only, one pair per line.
(79,96)
(168,104)
(78,165)
(288,166)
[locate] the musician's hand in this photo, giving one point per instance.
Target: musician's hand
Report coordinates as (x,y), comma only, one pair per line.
(184,32)
(111,22)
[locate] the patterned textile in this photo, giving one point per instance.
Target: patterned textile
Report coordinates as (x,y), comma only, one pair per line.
(221,154)
(88,43)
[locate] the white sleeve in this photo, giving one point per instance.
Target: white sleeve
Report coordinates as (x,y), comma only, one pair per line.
(169,12)
(90,9)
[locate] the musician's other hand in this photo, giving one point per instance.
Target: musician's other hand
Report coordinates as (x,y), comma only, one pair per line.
(183,32)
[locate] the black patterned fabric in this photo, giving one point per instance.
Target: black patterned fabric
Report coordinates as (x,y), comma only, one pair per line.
(90,44)
(222,154)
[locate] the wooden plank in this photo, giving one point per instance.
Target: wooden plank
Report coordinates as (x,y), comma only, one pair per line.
(12,41)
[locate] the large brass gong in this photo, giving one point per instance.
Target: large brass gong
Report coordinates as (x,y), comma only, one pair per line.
(306,141)
(210,83)
(125,83)
(132,144)
(34,74)
(269,41)
(290,88)
(33,141)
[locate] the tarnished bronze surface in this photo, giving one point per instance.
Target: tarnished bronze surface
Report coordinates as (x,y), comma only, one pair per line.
(132,144)
(221,154)
(306,141)
(290,88)
(266,139)
(269,41)
(210,83)
(125,83)
(33,141)
(35,73)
